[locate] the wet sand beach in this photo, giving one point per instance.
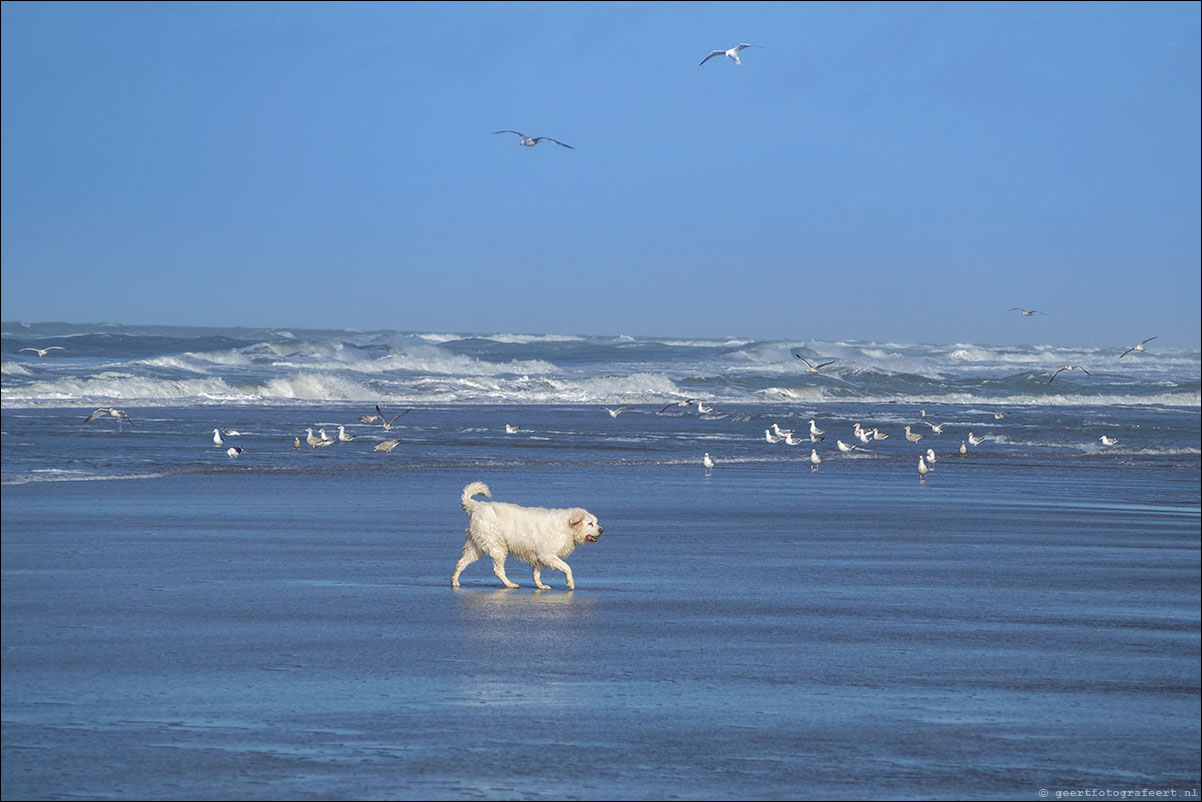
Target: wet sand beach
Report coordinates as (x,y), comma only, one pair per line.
(766,632)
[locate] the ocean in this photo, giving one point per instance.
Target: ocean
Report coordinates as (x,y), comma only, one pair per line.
(179,624)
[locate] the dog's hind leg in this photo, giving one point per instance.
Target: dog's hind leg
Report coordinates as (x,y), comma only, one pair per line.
(538,577)
(470,555)
(498,568)
(559,565)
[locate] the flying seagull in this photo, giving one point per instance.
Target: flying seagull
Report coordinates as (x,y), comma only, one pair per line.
(388,423)
(1027,312)
(732,53)
(812,368)
(49,348)
(613,413)
(531,141)
(688,402)
(1139,347)
(1067,367)
(119,414)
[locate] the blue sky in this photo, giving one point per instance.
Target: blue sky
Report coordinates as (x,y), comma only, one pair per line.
(902,172)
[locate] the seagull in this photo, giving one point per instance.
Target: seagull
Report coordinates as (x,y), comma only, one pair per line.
(913,438)
(963,448)
(814,428)
(925,414)
(975,441)
(1108,441)
(1067,367)
(116,413)
(999,415)
(387,445)
(531,141)
(708,463)
(772,438)
(49,348)
(318,441)
(779,432)
(296,443)
(388,423)
(936,428)
(1027,312)
(790,440)
(864,437)
(844,447)
(233,451)
(876,435)
(1139,347)
(811,367)
(368,418)
(343,437)
(732,53)
(613,413)
(816,438)
(217,441)
(931,457)
(702,408)
(688,402)
(231,432)
(814,460)
(511,428)
(922,467)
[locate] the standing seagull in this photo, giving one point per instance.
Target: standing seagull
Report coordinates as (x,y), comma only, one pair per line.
(531,141)
(814,460)
(217,441)
(49,348)
(343,437)
(811,367)
(387,446)
(1027,312)
(963,448)
(1139,347)
(922,467)
(913,438)
(1067,367)
(732,53)
(975,441)
(708,463)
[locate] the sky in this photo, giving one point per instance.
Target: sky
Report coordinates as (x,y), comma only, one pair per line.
(901,172)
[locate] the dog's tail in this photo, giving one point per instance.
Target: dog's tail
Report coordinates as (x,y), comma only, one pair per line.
(466,499)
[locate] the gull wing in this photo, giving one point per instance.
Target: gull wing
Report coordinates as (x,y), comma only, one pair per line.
(711,55)
(556,141)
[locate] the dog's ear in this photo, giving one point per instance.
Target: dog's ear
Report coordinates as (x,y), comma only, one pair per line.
(576,520)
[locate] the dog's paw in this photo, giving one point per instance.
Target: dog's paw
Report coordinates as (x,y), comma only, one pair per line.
(543,587)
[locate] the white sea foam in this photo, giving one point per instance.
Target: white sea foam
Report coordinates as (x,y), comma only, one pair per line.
(14,369)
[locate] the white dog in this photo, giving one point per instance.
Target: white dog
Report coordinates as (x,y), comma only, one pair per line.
(534,535)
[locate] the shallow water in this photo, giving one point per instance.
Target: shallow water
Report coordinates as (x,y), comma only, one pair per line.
(1015,622)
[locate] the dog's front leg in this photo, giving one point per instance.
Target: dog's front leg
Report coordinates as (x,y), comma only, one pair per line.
(560,565)
(498,568)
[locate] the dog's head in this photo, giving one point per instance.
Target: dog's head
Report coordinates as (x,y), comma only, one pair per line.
(584,527)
